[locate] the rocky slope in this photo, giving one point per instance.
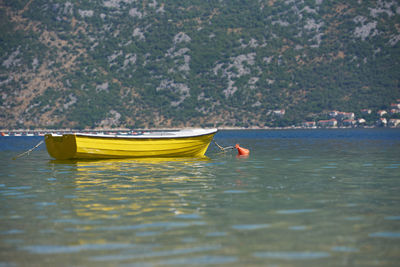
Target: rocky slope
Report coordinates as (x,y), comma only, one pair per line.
(154,63)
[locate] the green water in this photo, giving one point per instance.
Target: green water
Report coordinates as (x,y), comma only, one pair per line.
(293,202)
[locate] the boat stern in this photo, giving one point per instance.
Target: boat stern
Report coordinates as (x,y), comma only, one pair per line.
(61,146)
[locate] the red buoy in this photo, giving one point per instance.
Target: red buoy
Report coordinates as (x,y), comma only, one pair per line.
(242,151)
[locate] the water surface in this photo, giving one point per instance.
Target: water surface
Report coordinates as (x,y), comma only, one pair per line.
(302,198)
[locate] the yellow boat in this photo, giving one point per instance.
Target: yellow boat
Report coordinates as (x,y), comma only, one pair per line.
(183,143)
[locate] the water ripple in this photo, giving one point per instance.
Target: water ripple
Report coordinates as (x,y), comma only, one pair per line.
(130,255)
(188,216)
(53,249)
(385,234)
(202,260)
(292,255)
(216,234)
(345,249)
(234,191)
(298,228)
(250,226)
(20,187)
(392,218)
(12,232)
(296,211)
(166,225)
(45,204)
(355,218)
(76,221)
(148,233)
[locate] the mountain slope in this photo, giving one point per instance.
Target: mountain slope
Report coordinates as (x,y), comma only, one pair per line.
(194,63)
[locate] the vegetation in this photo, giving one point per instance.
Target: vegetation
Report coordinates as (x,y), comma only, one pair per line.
(114,63)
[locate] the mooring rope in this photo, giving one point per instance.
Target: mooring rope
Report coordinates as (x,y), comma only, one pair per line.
(223,148)
(28,151)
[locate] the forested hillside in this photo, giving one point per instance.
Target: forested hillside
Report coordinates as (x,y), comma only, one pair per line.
(181,63)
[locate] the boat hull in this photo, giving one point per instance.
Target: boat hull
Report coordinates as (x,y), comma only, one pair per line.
(74,146)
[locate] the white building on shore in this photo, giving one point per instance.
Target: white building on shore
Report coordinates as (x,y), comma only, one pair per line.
(327,123)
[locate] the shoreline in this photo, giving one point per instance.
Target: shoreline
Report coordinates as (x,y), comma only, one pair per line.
(35,132)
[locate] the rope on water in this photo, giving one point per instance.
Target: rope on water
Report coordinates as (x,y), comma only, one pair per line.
(28,151)
(223,148)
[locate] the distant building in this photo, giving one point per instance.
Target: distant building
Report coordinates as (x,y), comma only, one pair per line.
(345,115)
(381,122)
(349,122)
(328,123)
(395,106)
(279,112)
(361,121)
(381,113)
(309,124)
(394,123)
(341,115)
(333,114)
(394,111)
(366,111)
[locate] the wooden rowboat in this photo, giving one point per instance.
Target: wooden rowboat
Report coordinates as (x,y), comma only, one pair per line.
(183,143)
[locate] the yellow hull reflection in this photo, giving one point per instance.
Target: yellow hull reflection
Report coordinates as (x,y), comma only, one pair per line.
(78,146)
(148,189)
(107,163)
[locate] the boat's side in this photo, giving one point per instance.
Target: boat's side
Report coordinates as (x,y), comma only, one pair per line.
(93,147)
(73,146)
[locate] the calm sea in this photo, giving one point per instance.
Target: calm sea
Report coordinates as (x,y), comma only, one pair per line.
(302,198)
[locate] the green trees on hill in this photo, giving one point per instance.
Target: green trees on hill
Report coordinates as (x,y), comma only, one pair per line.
(191,61)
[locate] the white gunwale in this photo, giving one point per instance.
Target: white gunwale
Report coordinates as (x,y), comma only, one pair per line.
(151,135)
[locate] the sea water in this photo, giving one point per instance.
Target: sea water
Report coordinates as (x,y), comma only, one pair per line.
(302,198)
